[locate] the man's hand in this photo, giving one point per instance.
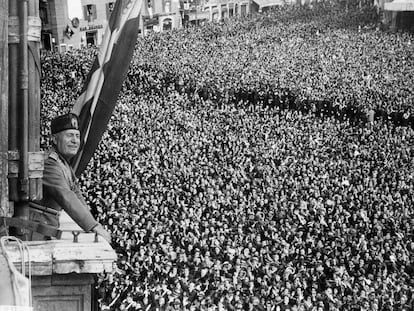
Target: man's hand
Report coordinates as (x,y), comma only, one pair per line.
(102,232)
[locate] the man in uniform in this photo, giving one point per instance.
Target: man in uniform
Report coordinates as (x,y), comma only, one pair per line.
(60,186)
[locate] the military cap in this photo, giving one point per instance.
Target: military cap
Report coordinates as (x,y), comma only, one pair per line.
(63,122)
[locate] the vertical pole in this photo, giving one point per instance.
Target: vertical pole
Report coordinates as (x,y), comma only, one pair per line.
(219,11)
(4,100)
(141,24)
(393,26)
(35,184)
(249,7)
(228,10)
(22,209)
(24,102)
(13,91)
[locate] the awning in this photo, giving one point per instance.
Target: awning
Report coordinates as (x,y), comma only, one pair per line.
(266,3)
(399,5)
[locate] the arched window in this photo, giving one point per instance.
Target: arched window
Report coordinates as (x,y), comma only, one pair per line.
(167,24)
(167,6)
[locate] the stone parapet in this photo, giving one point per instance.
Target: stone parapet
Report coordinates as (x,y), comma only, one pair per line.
(63,271)
(64,256)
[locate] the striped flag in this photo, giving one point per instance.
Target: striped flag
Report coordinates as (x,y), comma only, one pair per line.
(101,89)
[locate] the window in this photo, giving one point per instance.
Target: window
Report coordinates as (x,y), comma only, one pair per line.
(47,43)
(167,6)
(91,38)
(43,13)
(150,8)
(62,48)
(167,24)
(109,9)
(244,10)
(90,12)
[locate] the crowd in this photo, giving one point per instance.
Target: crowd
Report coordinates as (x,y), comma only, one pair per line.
(259,164)
(311,58)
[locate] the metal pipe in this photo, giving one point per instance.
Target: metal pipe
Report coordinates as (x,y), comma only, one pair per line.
(21,204)
(13,61)
(24,102)
(13,91)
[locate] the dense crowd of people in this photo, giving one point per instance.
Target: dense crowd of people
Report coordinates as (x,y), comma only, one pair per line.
(257,164)
(314,58)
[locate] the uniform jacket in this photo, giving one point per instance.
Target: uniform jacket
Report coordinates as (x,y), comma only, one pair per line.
(61,191)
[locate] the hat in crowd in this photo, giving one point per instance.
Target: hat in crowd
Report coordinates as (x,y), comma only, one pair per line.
(63,122)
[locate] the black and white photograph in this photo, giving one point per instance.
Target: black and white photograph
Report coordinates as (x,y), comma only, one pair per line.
(207,155)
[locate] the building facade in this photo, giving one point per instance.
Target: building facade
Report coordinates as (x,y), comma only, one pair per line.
(161,15)
(399,14)
(59,32)
(54,17)
(222,9)
(88,24)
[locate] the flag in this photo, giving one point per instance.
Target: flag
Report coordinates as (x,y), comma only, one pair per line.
(97,101)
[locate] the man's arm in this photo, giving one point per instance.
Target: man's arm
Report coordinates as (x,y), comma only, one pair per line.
(57,187)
